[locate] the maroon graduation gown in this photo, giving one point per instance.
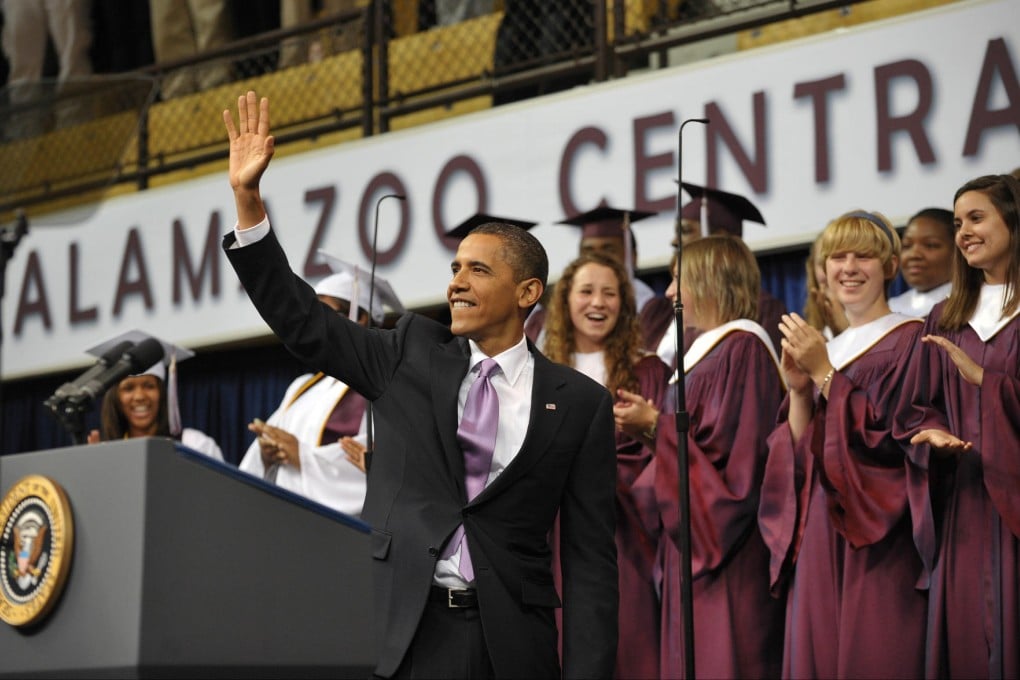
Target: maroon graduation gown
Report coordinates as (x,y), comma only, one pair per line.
(835,513)
(658,314)
(975,585)
(733,394)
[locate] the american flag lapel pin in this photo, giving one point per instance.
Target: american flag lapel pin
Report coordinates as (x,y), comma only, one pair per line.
(550,407)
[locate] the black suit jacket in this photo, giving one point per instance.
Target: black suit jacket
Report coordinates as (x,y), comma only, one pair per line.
(416,496)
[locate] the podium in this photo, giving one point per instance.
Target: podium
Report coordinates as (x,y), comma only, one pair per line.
(183,566)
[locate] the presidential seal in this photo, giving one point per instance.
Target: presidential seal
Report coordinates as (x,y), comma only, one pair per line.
(35,549)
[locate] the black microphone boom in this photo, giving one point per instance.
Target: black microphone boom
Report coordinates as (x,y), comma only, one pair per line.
(140,357)
(72,400)
(70,388)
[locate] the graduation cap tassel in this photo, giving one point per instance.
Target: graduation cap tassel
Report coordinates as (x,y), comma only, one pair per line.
(628,252)
(683,423)
(172,403)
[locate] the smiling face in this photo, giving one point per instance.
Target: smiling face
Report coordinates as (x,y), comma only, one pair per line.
(858,280)
(138,397)
(594,303)
(927,254)
(486,303)
(982,235)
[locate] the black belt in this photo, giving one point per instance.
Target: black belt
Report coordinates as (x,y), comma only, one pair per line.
(454,598)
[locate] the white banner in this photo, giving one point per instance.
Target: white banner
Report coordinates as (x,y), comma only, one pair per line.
(891,116)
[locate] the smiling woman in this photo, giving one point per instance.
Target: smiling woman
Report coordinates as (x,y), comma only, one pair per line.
(593,326)
(145,404)
(962,417)
(927,257)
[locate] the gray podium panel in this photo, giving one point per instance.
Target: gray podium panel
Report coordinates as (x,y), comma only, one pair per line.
(184,566)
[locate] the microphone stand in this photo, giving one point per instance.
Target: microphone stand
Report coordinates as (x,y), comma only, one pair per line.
(683,425)
(369,424)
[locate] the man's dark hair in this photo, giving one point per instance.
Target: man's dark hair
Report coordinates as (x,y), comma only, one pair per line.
(522,251)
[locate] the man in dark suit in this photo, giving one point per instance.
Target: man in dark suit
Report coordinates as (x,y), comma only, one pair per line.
(553,454)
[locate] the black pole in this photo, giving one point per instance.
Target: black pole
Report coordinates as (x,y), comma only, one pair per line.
(683,425)
(369,425)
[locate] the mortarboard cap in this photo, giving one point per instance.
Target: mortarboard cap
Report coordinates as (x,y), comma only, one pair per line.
(724,210)
(605,221)
(478,219)
(165,369)
(350,281)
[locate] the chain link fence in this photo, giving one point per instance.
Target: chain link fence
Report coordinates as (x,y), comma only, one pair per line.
(380,65)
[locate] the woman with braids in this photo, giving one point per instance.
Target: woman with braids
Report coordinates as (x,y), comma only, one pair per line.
(963,414)
(593,326)
(733,390)
(836,507)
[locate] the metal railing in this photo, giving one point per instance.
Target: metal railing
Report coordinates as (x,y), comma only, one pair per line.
(356,74)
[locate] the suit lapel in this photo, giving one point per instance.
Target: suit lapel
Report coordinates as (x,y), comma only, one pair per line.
(548,410)
(449,365)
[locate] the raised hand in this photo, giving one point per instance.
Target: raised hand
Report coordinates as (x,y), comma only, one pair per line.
(969,369)
(251,148)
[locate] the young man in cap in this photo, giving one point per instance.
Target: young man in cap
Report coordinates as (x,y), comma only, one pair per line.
(463,579)
(314,443)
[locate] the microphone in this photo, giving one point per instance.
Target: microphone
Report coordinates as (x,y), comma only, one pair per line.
(142,356)
(69,389)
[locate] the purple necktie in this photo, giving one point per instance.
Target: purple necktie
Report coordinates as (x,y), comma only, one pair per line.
(477,437)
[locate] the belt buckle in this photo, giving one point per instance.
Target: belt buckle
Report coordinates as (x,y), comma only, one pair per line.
(450,592)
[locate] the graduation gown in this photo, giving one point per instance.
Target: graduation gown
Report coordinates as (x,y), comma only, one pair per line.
(975,585)
(836,516)
(733,392)
(659,331)
(201,442)
(325,476)
(637,653)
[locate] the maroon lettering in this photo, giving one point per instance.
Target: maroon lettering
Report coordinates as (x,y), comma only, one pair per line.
(29,305)
(646,164)
(457,165)
(208,266)
(76,314)
(585,136)
(719,130)
(314,266)
(997,63)
(383,184)
(134,257)
(818,91)
(913,122)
